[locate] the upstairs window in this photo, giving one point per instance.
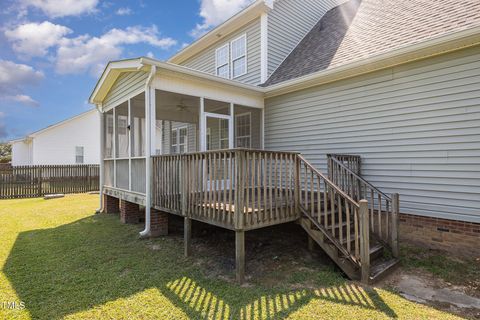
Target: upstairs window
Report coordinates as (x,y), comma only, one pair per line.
(222,64)
(79,155)
(239,56)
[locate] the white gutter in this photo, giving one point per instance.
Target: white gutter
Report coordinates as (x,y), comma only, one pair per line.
(148,153)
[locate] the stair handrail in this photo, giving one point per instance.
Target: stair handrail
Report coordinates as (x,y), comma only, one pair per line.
(388,236)
(334,159)
(334,197)
(330,182)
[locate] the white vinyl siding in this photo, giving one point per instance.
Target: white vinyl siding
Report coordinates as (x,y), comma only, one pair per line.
(289,22)
(127,85)
(416,127)
(205,60)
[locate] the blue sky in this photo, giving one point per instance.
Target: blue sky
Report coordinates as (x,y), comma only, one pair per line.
(52,51)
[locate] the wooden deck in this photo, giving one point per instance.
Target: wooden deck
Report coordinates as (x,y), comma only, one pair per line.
(243,189)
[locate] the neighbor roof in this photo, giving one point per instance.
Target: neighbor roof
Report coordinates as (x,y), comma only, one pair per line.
(358,30)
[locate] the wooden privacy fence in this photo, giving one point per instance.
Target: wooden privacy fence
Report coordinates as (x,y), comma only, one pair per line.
(37,181)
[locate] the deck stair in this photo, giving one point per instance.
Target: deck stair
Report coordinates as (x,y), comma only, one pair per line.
(358,235)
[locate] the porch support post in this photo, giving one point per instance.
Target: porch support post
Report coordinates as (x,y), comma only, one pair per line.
(203,130)
(230,127)
(129,145)
(240,255)
(102,162)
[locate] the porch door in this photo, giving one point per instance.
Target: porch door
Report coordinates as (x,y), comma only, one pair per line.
(218,136)
(218,132)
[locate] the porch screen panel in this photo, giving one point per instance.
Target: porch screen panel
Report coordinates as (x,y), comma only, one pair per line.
(247,127)
(108,136)
(138,175)
(108,178)
(121,126)
(138,127)
(122,174)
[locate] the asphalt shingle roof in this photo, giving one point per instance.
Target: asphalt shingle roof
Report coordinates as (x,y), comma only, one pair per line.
(360,29)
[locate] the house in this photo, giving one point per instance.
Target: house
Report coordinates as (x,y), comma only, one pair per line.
(358,119)
(72,141)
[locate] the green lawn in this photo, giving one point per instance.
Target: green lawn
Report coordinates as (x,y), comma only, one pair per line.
(65,262)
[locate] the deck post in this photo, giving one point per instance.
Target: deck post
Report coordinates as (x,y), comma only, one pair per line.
(240,255)
(187,222)
(364,241)
(395,224)
(297,185)
(239,215)
(187,235)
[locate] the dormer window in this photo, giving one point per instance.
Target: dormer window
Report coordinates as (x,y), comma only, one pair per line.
(222,58)
(231,58)
(239,56)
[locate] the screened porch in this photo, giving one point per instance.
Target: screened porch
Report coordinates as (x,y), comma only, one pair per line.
(181,124)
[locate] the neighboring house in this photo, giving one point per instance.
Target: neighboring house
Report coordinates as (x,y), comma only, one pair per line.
(394,82)
(72,141)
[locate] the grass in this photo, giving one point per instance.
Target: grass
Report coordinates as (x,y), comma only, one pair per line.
(455,271)
(65,262)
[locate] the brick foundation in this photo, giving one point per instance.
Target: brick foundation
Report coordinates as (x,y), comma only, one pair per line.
(158,223)
(110,204)
(129,212)
(457,237)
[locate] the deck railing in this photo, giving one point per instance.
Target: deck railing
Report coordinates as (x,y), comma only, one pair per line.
(383,210)
(239,189)
(334,212)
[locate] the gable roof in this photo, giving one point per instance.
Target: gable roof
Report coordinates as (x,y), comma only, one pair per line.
(361,29)
(254,10)
(55,125)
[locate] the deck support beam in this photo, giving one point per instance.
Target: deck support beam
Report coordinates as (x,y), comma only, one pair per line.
(240,255)
(187,236)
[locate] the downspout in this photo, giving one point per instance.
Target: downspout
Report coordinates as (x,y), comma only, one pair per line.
(102,164)
(148,153)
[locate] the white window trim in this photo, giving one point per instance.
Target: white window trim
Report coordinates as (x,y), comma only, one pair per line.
(249,127)
(177,143)
(227,45)
(244,36)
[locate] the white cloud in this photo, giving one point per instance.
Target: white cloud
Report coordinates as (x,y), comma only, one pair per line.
(23,99)
(61,8)
(13,78)
(215,12)
(150,54)
(34,39)
(124,11)
(86,53)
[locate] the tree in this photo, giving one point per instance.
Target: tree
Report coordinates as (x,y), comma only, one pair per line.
(5,152)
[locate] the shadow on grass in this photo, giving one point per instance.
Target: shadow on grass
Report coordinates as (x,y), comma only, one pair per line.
(95,260)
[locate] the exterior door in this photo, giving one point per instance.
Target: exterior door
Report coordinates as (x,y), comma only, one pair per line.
(218,136)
